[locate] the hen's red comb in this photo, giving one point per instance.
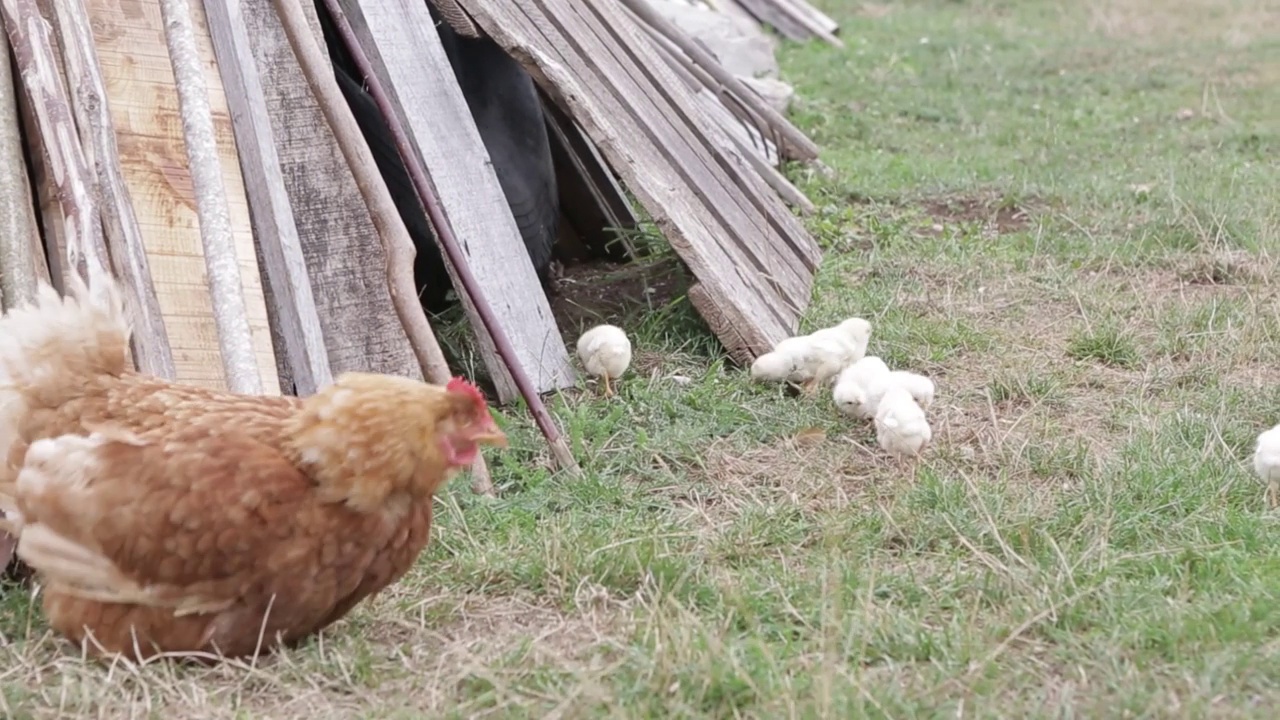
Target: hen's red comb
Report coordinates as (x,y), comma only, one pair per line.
(460,384)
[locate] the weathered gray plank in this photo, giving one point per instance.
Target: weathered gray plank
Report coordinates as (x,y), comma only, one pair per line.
(290,301)
(769,12)
(128,253)
(18,233)
(813,18)
(753,259)
(344,260)
(407,54)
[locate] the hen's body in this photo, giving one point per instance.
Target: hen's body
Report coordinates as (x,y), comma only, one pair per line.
(162,517)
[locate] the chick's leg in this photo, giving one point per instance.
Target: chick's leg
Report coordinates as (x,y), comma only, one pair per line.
(1273,491)
(809,387)
(608,389)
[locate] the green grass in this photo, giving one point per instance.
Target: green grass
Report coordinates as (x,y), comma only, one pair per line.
(1087,273)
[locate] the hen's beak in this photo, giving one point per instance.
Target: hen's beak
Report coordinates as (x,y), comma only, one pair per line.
(488,433)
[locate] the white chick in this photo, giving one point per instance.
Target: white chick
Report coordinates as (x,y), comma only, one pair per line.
(830,350)
(920,387)
(783,363)
(901,425)
(852,393)
(605,352)
(1266,462)
(816,358)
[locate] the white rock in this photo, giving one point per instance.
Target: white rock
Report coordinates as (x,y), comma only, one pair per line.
(775,92)
(742,48)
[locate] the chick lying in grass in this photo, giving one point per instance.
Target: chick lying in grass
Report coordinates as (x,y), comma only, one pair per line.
(901,425)
(1266,462)
(814,359)
(605,352)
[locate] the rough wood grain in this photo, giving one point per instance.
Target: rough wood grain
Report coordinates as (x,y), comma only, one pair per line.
(344,259)
(144,110)
(753,259)
(33,49)
(51,236)
(755,127)
(230,317)
(811,17)
(285,266)
(769,12)
(46,246)
(19,236)
(412,62)
(747,139)
(128,255)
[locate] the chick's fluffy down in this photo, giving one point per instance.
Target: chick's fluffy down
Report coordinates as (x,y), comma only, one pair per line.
(605,351)
(901,425)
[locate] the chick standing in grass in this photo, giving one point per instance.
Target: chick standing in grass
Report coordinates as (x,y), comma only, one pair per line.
(605,352)
(1266,462)
(816,358)
(901,425)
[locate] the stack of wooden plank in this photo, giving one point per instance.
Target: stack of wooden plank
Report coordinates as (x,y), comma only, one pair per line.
(633,104)
(795,19)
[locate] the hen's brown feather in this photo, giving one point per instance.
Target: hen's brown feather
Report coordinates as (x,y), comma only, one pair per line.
(203,521)
(169,518)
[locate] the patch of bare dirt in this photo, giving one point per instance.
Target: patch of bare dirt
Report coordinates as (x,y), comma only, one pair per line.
(599,291)
(993,213)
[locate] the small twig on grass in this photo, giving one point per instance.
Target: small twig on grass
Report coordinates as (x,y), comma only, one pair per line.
(444,232)
(128,253)
(225,289)
(397,246)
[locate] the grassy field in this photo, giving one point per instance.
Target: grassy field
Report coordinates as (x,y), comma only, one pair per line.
(1068,214)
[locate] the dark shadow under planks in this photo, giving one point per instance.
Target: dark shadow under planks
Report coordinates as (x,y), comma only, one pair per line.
(344,259)
(405,49)
(753,259)
(591,201)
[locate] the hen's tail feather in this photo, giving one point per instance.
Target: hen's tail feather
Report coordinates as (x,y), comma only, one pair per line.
(57,342)
(82,572)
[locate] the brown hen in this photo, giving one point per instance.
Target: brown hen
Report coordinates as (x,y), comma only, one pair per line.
(165,518)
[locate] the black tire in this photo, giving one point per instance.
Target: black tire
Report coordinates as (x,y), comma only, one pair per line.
(508,113)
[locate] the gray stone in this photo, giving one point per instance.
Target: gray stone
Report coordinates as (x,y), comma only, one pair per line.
(742,48)
(775,92)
